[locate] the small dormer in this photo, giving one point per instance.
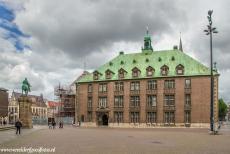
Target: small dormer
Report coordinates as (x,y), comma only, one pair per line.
(96,75)
(149,71)
(121,73)
(108,74)
(136,72)
(164,70)
(180,69)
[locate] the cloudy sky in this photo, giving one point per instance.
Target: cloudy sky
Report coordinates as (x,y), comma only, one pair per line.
(49,41)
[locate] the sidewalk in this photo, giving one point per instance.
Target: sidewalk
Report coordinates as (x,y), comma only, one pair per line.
(8,135)
(3,126)
(225,128)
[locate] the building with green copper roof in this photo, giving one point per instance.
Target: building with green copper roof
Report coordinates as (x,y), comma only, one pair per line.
(155,59)
(147,89)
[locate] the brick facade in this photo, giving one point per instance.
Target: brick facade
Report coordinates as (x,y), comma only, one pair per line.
(198,112)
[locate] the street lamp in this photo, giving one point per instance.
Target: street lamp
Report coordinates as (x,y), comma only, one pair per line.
(209,31)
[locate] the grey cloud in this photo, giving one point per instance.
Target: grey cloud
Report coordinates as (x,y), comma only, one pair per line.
(86,27)
(64,35)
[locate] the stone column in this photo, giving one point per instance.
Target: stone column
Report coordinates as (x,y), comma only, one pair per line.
(25,114)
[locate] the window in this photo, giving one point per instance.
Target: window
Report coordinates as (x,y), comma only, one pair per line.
(135,72)
(151,117)
(151,100)
(95,75)
(108,74)
(169,100)
(121,73)
(103,87)
(169,117)
(102,102)
(90,116)
(118,101)
(164,70)
(135,86)
(135,101)
(118,117)
(119,86)
(187,99)
(90,88)
(180,69)
(169,84)
(149,71)
(187,117)
(187,83)
(152,84)
(134,117)
(90,102)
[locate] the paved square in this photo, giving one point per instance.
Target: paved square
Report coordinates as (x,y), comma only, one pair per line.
(73,140)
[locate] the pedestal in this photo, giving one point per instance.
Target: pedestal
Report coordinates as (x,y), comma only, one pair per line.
(25,113)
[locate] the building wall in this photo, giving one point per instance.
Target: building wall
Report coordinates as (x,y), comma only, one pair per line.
(200,101)
(3,103)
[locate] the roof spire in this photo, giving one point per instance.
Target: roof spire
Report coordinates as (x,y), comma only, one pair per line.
(147,41)
(180,45)
(147,30)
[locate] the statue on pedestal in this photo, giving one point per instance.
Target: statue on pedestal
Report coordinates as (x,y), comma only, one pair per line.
(25,86)
(25,103)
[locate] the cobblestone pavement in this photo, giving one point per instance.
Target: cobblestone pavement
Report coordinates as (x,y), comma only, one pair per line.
(73,140)
(8,135)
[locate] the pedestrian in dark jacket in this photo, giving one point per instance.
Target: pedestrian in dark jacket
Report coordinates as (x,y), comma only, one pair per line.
(53,124)
(18,126)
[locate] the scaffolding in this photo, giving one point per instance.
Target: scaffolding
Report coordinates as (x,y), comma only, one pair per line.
(65,95)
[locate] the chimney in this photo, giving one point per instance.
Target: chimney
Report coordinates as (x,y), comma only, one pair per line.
(175,47)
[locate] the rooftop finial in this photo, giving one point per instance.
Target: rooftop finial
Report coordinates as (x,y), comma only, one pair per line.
(147,30)
(180,45)
(214,67)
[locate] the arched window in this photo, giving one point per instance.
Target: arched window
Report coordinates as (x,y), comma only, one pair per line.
(136,72)
(164,70)
(108,74)
(180,69)
(121,73)
(149,71)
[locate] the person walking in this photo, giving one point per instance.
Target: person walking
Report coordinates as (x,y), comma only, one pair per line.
(50,125)
(18,126)
(53,124)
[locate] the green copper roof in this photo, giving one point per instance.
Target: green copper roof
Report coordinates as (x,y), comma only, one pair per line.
(155,59)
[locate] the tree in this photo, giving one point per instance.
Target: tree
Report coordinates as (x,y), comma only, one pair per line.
(223,109)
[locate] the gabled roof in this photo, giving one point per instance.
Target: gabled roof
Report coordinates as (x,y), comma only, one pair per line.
(39,100)
(170,58)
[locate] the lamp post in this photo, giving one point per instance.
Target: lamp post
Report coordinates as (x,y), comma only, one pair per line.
(209,31)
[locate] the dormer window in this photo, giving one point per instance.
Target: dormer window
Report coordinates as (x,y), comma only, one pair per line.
(135,72)
(164,70)
(96,75)
(121,73)
(180,69)
(149,71)
(108,74)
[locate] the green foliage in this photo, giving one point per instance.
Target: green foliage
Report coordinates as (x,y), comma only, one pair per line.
(223,108)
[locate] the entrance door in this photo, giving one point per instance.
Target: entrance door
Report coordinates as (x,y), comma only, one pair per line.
(105,120)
